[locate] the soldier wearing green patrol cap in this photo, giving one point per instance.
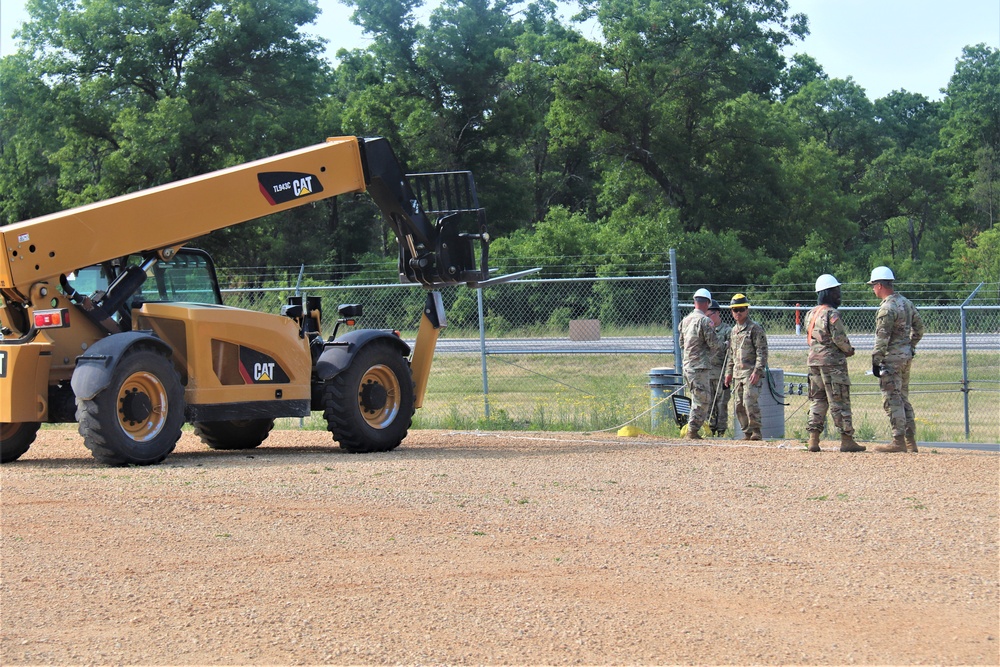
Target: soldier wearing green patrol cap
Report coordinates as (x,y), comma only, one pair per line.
(718,417)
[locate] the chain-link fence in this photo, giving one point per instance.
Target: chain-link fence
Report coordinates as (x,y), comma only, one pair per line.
(577,354)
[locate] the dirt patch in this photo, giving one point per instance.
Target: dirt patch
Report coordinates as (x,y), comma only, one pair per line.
(479,548)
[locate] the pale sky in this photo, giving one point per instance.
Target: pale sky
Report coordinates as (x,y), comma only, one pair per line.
(884,45)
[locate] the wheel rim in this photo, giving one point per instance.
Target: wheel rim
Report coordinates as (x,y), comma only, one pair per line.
(142,406)
(379,396)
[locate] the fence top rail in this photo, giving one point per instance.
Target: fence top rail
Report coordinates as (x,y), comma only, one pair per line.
(320,288)
(291,288)
(875,307)
(594,279)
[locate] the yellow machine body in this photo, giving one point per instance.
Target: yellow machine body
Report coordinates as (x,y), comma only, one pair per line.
(30,364)
(228,355)
(130,356)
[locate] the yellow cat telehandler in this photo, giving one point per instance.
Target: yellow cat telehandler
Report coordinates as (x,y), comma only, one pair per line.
(106,319)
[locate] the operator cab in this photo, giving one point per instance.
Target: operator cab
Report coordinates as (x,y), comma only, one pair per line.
(188,276)
(119,286)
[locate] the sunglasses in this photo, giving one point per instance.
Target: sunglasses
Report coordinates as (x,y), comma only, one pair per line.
(739,310)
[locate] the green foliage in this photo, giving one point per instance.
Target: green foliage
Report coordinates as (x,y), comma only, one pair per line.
(140,93)
(978,261)
(684,127)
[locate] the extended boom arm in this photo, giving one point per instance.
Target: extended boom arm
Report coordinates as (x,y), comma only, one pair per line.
(156,222)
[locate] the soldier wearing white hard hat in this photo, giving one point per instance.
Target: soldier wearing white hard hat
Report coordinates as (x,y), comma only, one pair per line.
(829,382)
(898,329)
(698,344)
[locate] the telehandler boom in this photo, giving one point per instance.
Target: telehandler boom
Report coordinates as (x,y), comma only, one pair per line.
(106,319)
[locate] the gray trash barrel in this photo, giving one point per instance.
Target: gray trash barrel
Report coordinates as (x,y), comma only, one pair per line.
(662,383)
(772,409)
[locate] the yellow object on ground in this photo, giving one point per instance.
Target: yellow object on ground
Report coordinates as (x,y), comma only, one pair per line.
(629,432)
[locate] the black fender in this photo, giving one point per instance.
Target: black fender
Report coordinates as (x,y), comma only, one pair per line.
(94,368)
(338,355)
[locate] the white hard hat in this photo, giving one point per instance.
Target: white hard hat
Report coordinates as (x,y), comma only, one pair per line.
(703,294)
(881,273)
(826,281)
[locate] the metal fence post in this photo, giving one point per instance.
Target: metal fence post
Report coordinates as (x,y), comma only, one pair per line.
(675,312)
(965,359)
(298,292)
(482,354)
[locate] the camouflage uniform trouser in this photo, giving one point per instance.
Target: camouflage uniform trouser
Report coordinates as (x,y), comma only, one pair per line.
(830,389)
(699,389)
(895,384)
(718,419)
(747,404)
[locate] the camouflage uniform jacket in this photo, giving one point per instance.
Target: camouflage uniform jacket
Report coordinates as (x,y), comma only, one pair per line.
(747,350)
(898,329)
(828,341)
(698,341)
(723,331)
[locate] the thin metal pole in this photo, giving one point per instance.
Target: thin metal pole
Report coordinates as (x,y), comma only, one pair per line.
(676,312)
(298,281)
(298,292)
(965,359)
(482,353)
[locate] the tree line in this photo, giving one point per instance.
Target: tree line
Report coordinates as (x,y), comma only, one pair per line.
(685,126)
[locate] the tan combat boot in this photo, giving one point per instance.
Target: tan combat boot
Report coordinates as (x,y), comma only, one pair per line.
(754,435)
(911,442)
(814,441)
(693,433)
(848,444)
(898,444)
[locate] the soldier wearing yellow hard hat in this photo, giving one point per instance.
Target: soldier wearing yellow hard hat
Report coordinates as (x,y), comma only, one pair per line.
(745,367)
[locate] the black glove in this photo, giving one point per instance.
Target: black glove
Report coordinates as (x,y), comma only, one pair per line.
(876,368)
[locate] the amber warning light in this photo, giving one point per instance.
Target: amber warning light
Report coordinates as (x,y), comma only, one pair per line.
(51,319)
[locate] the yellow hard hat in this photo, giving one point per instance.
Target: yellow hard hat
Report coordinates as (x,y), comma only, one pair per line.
(739,301)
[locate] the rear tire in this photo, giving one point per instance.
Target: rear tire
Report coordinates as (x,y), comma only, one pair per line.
(235,434)
(15,439)
(369,406)
(137,418)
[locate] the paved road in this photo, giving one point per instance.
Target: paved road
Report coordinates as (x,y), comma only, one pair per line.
(665,344)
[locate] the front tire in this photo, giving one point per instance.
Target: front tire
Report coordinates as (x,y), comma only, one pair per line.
(235,434)
(15,439)
(369,406)
(137,418)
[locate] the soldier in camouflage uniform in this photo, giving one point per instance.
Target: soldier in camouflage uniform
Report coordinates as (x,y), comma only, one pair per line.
(745,368)
(718,419)
(829,383)
(698,344)
(898,329)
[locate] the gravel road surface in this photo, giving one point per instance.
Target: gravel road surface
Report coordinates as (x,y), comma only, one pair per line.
(500,548)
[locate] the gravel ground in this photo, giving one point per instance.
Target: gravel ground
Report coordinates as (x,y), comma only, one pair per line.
(500,548)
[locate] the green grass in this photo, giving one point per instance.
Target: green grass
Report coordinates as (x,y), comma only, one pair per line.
(935,393)
(604,392)
(601,392)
